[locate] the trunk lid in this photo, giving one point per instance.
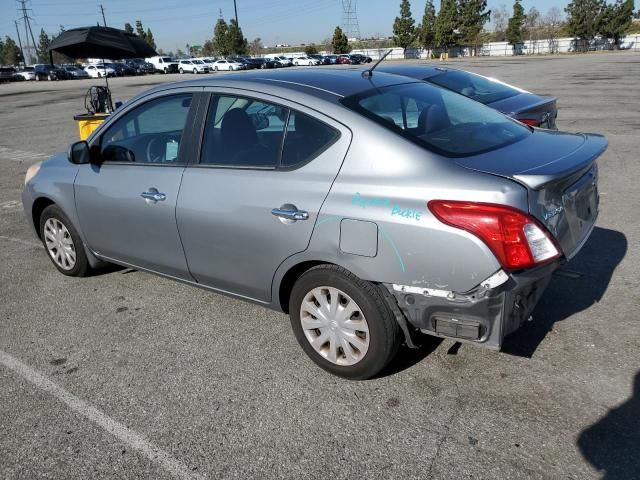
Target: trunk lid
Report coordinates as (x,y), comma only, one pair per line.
(528,106)
(561,176)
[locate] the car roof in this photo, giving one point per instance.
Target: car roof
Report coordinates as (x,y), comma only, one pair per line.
(328,82)
(419,71)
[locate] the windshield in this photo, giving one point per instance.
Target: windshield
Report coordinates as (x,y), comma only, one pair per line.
(481,89)
(442,121)
(198,62)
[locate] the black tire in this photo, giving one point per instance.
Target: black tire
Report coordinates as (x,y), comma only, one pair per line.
(81,267)
(384,331)
(181,71)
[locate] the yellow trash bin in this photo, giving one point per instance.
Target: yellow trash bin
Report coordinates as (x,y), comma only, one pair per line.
(88,122)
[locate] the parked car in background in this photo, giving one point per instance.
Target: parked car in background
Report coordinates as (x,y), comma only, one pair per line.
(262,63)
(348,60)
(322,59)
(27,73)
(281,60)
(333,59)
(122,69)
(163,64)
(304,60)
(244,61)
(193,65)
(140,66)
(75,72)
(529,108)
(44,71)
(224,64)
(7,74)
(98,70)
(368,208)
(361,58)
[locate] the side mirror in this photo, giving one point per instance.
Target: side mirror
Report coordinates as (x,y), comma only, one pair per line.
(79,153)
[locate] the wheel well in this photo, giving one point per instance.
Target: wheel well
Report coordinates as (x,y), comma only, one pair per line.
(290,278)
(36,211)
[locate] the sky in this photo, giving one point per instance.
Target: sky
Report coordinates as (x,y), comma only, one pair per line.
(175,23)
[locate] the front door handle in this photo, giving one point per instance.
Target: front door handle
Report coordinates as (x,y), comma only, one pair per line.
(154,196)
(293,215)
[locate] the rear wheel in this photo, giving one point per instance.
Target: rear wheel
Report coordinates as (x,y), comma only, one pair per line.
(62,242)
(343,323)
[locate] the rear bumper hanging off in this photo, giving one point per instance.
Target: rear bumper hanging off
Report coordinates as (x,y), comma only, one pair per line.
(484,315)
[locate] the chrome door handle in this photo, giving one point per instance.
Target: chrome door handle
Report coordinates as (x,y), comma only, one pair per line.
(154,196)
(290,214)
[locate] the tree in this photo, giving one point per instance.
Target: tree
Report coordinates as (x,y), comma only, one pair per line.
(428,26)
(447,24)
(148,37)
(311,50)
(236,41)
(139,29)
(583,19)
(532,25)
(615,20)
(516,25)
(43,47)
(340,42)
(500,18)
(128,28)
(256,46)
(473,16)
(551,24)
(220,38)
(10,53)
(404,30)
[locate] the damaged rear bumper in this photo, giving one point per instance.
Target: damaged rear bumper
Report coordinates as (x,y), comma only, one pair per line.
(484,315)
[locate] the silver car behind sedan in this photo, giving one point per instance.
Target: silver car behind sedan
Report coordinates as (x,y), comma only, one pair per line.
(367,207)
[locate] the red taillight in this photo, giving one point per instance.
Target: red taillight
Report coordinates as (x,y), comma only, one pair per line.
(530,121)
(515,238)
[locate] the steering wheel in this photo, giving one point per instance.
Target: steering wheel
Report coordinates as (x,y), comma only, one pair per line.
(153,155)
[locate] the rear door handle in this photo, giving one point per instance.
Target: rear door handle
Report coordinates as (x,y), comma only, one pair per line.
(290,214)
(154,196)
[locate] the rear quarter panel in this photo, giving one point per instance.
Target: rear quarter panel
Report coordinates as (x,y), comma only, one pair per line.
(388,181)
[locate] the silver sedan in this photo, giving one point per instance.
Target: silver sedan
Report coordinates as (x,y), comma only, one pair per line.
(369,207)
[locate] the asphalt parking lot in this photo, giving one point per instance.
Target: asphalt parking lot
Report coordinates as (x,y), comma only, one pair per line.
(128,375)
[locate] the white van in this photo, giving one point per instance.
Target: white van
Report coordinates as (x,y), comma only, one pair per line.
(163,64)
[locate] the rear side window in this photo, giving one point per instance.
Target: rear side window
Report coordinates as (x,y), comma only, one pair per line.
(481,89)
(440,120)
(243,132)
(306,139)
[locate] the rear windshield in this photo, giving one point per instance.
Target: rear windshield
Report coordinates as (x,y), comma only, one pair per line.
(481,89)
(438,119)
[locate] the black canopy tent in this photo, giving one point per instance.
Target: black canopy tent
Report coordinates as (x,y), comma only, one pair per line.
(100,42)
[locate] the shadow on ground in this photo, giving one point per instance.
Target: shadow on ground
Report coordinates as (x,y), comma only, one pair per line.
(612,445)
(564,297)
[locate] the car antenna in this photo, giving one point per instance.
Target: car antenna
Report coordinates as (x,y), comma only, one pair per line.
(369,73)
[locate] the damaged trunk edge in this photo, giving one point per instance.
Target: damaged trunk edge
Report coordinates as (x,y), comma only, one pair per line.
(484,315)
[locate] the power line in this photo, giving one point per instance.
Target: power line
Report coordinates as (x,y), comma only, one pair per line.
(350,24)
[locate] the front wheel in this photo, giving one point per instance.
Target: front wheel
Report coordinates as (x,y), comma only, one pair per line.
(195,71)
(215,68)
(63,244)
(181,71)
(343,323)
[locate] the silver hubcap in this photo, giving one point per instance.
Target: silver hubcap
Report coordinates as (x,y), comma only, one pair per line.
(59,244)
(334,325)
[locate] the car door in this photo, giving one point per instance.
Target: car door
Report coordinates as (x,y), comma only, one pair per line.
(264,171)
(126,201)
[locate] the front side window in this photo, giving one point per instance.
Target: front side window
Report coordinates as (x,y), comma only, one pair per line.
(243,132)
(440,120)
(151,133)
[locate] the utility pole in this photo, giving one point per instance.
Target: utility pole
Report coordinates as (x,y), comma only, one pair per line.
(27,30)
(103,19)
(235,7)
(24,59)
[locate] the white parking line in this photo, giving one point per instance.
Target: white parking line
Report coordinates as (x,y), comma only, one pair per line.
(121,432)
(21,155)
